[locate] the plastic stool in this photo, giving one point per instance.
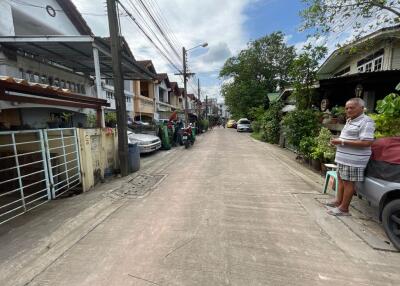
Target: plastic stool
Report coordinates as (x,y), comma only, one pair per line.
(332,174)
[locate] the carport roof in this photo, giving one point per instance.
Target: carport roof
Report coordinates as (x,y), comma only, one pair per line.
(76,53)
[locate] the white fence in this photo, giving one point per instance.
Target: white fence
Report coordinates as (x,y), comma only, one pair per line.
(36,166)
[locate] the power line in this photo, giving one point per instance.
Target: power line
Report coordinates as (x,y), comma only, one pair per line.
(149,28)
(157,11)
(158,27)
(147,36)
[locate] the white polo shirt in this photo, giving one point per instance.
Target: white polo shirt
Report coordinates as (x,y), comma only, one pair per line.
(360,128)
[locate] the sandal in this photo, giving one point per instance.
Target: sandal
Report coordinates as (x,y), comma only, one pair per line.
(332,204)
(338,212)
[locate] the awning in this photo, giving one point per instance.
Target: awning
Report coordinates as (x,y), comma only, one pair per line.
(76,53)
(16,90)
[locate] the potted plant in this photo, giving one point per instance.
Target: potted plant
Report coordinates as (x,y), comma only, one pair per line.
(324,151)
(111,119)
(53,121)
(66,119)
(307,145)
(91,120)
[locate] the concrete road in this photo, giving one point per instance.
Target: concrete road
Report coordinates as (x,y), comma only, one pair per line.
(228,211)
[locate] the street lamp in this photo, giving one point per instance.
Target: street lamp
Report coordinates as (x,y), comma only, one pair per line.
(185,76)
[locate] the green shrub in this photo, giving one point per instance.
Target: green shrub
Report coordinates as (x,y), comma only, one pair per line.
(110,118)
(307,145)
(387,121)
(203,124)
(91,120)
(323,149)
(256,126)
(299,124)
(270,123)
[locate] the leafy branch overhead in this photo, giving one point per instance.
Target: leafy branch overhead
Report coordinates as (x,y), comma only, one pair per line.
(325,16)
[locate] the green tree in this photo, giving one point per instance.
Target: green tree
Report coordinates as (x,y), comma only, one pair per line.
(325,16)
(261,68)
(303,72)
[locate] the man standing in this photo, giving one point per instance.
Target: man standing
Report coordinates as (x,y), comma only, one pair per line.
(353,150)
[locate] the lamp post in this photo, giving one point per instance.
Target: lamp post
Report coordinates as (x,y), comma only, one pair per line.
(186,75)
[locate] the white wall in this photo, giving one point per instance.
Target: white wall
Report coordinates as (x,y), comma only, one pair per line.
(18,18)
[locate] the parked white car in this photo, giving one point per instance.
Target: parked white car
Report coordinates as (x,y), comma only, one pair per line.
(243,125)
(147,143)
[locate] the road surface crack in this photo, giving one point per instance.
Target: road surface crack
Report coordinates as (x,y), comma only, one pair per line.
(139,278)
(179,247)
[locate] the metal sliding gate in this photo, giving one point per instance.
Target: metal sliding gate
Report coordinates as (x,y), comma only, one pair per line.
(35,167)
(63,159)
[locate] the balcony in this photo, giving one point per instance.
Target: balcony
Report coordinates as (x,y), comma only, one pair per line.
(144,104)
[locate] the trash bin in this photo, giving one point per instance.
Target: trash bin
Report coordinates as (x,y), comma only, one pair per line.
(134,157)
(194,133)
(166,144)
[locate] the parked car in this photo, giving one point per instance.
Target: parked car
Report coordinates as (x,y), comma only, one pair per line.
(381,187)
(147,143)
(231,124)
(243,125)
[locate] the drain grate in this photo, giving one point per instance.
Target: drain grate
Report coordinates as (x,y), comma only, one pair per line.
(137,186)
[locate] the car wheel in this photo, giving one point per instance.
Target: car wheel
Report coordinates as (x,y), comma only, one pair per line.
(391,222)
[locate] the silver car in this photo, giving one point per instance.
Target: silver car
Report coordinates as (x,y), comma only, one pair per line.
(243,125)
(147,143)
(385,197)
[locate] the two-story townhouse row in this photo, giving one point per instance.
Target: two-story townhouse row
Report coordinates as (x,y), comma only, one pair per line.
(163,97)
(33,91)
(48,51)
(368,68)
(145,95)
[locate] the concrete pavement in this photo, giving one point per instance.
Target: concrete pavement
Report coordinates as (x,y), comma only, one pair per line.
(229,211)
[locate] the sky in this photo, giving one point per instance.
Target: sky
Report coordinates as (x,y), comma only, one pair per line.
(226,25)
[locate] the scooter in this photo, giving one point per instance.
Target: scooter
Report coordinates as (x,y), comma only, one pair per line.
(187,137)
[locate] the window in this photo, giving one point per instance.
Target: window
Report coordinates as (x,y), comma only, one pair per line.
(378,64)
(109,95)
(83,89)
(43,79)
(78,88)
(373,62)
(62,84)
(21,74)
(56,82)
(73,87)
(36,78)
(110,82)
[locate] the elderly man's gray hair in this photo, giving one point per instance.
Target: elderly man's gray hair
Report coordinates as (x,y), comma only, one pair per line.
(358,101)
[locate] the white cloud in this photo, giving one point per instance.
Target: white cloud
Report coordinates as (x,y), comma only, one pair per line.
(220,23)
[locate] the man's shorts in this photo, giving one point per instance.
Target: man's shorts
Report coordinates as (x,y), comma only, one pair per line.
(350,173)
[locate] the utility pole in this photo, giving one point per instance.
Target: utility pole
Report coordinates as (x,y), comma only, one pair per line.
(198,105)
(120,101)
(185,85)
(206,106)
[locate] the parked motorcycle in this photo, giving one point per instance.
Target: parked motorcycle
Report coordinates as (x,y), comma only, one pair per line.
(187,136)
